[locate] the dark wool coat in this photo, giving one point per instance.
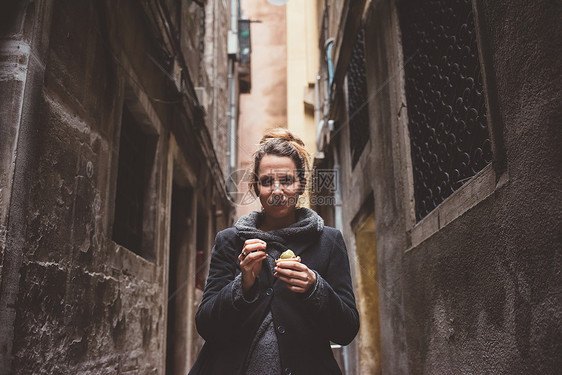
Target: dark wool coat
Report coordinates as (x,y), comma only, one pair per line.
(304,326)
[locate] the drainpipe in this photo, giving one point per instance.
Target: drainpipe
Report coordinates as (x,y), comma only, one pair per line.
(234,16)
(317,108)
(231,114)
(338,214)
(338,223)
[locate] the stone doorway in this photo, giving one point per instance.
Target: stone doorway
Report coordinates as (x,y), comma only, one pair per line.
(368,296)
(180,284)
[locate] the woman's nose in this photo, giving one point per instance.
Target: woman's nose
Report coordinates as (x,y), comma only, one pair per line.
(277,187)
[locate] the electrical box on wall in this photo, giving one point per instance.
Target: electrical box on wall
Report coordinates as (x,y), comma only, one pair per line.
(232,43)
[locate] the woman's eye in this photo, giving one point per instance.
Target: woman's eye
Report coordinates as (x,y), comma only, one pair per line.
(266,181)
(287,181)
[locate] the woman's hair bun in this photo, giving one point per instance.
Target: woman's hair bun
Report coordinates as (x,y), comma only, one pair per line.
(282,134)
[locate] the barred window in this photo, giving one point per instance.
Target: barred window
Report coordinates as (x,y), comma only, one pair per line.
(358,110)
(449,135)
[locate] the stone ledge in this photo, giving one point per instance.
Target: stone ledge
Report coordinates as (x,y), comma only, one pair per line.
(481,186)
(126,261)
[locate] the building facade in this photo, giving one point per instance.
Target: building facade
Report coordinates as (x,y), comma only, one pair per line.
(265,107)
(441,122)
(115,139)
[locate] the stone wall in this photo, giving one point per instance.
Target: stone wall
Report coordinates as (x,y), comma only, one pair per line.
(73,299)
(485,289)
(474,287)
(216,64)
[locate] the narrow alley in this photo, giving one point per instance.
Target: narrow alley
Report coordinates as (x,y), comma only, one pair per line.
(128,138)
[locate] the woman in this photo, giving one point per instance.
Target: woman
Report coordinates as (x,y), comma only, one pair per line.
(259,317)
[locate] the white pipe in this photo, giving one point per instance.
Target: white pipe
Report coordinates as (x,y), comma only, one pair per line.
(317,109)
(231,153)
(338,214)
(234,16)
(232,114)
(338,223)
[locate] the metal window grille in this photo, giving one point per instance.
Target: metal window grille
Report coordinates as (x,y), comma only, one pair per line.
(449,136)
(129,198)
(358,110)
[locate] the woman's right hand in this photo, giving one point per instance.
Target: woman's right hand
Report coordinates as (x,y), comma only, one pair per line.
(251,259)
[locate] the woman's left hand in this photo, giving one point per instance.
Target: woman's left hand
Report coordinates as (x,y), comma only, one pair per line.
(296,276)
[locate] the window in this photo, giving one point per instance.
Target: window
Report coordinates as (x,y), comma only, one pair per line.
(179,276)
(136,155)
(358,110)
(448,129)
(245,56)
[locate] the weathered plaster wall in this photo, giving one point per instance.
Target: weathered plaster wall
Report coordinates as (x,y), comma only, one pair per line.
(386,163)
(74,301)
(22,66)
(78,308)
(482,294)
(376,175)
(485,290)
(217,22)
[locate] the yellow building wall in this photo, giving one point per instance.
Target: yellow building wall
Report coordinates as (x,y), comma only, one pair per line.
(302,67)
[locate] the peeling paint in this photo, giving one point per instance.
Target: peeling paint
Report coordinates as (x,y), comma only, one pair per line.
(14,59)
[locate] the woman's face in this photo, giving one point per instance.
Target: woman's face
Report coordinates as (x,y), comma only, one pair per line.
(278,185)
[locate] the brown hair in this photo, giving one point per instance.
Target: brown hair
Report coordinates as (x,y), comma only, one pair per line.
(282,142)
